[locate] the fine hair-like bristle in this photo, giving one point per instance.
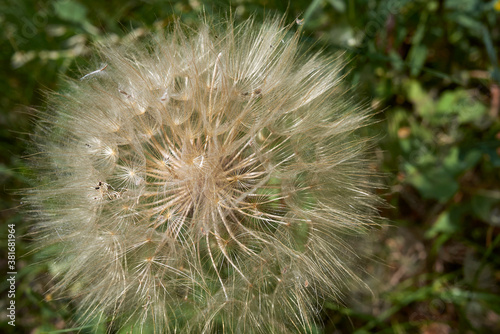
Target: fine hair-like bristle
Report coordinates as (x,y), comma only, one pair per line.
(209,180)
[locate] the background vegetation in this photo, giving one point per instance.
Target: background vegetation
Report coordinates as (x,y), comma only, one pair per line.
(430,67)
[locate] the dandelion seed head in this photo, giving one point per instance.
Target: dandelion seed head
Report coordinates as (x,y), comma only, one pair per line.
(209,179)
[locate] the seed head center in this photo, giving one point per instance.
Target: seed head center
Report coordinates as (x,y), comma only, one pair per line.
(203,177)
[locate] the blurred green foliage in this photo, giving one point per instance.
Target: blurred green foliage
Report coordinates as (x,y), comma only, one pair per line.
(430,67)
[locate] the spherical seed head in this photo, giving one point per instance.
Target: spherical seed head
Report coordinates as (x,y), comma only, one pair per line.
(209,180)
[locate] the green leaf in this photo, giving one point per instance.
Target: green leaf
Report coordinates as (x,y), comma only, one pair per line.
(466,21)
(417,57)
(469,159)
(418,51)
(432,183)
(424,105)
(437,178)
(482,206)
(315,4)
(492,54)
(457,162)
(71,11)
(446,223)
(339,5)
(459,103)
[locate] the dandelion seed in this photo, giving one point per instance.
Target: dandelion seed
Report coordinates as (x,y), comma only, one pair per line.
(196,185)
(94,72)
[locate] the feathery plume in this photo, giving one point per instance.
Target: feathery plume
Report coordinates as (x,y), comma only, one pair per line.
(208,181)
